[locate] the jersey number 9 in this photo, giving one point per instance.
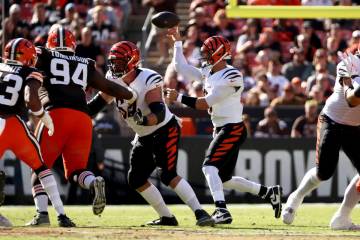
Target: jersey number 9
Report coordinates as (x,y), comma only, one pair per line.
(60,68)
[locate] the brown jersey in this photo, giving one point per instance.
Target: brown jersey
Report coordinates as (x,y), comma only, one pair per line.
(13,79)
(65,79)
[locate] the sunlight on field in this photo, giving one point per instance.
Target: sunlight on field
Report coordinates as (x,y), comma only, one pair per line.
(124,222)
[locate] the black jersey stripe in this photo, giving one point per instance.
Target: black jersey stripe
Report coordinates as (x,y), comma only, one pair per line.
(231,73)
(156,80)
(228,71)
(150,77)
(235,76)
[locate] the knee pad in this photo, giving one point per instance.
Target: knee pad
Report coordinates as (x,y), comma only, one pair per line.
(167,176)
(135,181)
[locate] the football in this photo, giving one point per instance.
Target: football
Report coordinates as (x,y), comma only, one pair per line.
(165,19)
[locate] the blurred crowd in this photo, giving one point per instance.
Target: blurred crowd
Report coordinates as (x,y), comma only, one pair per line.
(283,61)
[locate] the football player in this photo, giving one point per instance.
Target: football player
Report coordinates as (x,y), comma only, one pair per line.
(19,85)
(157,134)
(341,219)
(338,128)
(63,95)
(223,87)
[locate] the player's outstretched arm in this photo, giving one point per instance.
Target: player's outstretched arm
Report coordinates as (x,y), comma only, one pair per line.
(179,60)
(201,103)
(97,103)
(99,82)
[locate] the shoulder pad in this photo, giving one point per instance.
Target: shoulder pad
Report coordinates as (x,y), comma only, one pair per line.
(232,77)
(151,77)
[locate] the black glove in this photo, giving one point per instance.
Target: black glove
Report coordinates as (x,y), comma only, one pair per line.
(139,118)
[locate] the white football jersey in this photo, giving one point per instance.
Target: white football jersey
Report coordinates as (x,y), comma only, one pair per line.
(336,106)
(145,81)
(230,108)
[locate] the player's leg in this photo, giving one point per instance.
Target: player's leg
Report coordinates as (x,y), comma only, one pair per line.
(166,143)
(141,166)
(327,156)
(341,220)
(75,158)
(272,194)
(27,149)
(4,222)
(51,148)
(226,141)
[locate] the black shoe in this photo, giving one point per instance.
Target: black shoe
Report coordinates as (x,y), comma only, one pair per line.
(164,221)
(221,216)
(64,221)
(203,218)
(274,197)
(2,186)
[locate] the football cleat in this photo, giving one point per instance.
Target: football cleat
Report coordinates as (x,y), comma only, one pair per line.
(2,186)
(64,221)
(99,201)
(342,223)
(274,197)
(221,216)
(4,222)
(288,216)
(203,218)
(164,221)
(40,219)
(291,206)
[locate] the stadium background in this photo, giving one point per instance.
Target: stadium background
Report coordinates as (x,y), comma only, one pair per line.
(287,64)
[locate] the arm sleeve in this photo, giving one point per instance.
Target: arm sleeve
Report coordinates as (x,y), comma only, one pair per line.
(181,65)
(219,94)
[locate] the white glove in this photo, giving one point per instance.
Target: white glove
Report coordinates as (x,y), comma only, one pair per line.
(134,97)
(48,122)
(351,62)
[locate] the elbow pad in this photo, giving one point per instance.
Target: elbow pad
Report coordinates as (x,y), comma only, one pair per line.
(96,104)
(158,108)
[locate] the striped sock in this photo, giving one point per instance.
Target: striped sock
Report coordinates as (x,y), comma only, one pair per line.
(85,179)
(48,182)
(40,198)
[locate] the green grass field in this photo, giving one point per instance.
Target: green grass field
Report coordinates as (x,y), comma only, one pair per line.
(124,222)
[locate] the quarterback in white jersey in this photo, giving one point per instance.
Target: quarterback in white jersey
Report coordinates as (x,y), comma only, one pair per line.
(338,128)
(223,87)
(157,133)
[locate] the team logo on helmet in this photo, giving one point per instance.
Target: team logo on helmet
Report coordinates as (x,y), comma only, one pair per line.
(20,51)
(61,39)
(215,49)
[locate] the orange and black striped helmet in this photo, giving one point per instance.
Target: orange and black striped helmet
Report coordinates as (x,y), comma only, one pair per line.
(123,58)
(214,49)
(61,39)
(21,52)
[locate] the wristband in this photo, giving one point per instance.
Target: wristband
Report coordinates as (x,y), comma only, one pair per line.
(189,101)
(39,113)
(179,97)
